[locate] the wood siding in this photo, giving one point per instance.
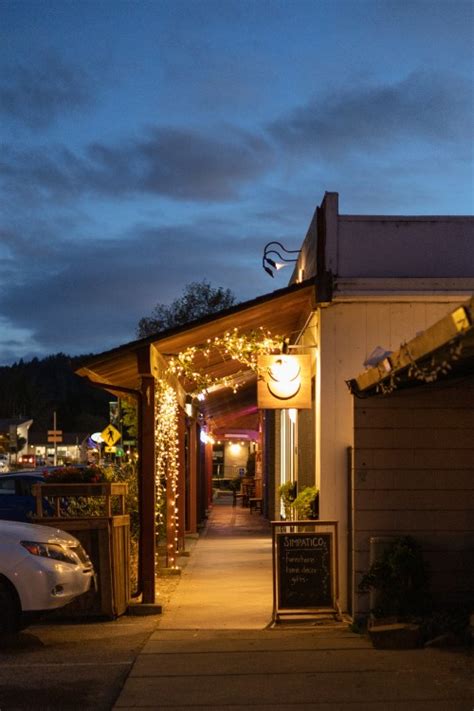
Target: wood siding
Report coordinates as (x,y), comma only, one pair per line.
(413,474)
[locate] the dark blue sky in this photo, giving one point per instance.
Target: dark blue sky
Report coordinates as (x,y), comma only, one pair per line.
(149,144)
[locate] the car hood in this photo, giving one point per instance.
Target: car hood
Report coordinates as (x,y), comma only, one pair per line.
(15,530)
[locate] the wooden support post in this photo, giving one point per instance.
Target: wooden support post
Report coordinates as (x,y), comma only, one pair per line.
(193,470)
(181,501)
(208,466)
(147,487)
(170,528)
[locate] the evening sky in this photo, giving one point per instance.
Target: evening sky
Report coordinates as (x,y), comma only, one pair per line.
(149,144)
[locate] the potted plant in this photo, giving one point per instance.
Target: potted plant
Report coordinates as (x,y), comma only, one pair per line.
(287,492)
(305,504)
(399,579)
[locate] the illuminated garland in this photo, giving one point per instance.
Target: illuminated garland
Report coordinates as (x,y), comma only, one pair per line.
(428,374)
(242,348)
(167,462)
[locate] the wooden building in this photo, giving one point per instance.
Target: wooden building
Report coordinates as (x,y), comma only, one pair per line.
(413,457)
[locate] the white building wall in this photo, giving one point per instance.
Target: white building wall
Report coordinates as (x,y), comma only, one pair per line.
(348,332)
(381,280)
(374,247)
(427,247)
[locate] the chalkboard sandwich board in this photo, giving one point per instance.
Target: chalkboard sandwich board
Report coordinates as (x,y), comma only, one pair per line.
(304,568)
(304,562)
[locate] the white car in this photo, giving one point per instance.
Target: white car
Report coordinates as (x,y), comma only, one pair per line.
(4,466)
(41,569)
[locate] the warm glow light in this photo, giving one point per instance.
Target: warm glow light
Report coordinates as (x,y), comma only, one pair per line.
(166,458)
(242,348)
(284,369)
(234,447)
(206,438)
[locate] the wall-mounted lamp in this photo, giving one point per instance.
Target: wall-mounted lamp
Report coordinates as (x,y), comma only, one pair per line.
(284,260)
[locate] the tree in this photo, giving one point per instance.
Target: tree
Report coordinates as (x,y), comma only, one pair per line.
(199,299)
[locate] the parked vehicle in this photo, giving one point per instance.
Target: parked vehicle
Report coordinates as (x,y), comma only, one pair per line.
(27,460)
(17,502)
(41,569)
(4,465)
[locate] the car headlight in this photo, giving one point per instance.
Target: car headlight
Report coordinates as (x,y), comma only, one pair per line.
(51,550)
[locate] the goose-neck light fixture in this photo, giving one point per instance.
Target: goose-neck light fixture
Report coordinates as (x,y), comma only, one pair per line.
(269,264)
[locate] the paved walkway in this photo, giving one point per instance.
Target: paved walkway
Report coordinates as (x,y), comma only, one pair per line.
(227,583)
(213,649)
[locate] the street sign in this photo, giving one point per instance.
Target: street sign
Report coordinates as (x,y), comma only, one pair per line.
(55,435)
(110,450)
(110,435)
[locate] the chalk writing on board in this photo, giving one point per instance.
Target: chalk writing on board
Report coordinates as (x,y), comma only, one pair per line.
(304,570)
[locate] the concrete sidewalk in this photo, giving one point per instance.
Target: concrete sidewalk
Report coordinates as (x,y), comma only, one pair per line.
(213,647)
(227,583)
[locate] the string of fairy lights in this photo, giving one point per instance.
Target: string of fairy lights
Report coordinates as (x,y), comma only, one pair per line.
(427,374)
(233,345)
(167,464)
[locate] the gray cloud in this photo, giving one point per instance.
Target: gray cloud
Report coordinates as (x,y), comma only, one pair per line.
(422,107)
(36,95)
(181,164)
(91,296)
(186,164)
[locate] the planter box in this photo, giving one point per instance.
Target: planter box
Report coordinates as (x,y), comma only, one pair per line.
(58,491)
(395,636)
(106,538)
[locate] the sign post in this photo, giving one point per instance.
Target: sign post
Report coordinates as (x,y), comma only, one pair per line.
(305,579)
(55,436)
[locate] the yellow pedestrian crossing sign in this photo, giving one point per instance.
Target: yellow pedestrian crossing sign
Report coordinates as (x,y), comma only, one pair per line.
(110,435)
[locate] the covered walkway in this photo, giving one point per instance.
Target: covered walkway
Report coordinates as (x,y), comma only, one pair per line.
(227,583)
(213,650)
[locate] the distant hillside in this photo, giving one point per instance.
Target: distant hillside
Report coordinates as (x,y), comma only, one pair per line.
(36,389)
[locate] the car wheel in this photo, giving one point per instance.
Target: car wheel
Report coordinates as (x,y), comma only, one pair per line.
(9,609)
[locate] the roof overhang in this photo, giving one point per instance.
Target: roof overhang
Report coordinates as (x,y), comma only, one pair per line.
(283,313)
(445,350)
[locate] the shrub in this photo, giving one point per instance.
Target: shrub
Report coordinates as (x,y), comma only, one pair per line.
(78,475)
(305,503)
(400,578)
